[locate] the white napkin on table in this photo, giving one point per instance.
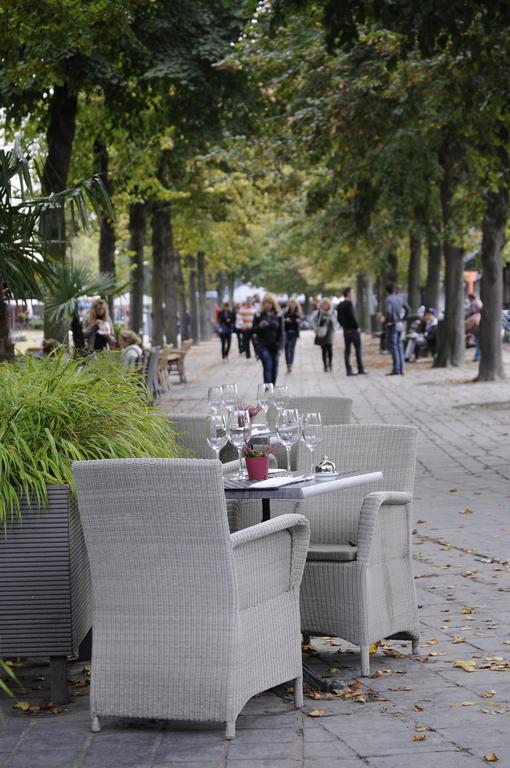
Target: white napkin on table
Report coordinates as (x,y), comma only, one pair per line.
(277,482)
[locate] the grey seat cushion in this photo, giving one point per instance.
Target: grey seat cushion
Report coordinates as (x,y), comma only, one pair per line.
(332,552)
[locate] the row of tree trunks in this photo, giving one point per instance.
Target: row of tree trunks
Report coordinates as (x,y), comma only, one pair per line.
(413,284)
(493,240)
(363,300)
(137,229)
(433,282)
(203,322)
(193,303)
(6,343)
(62,112)
(106,225)
(452,338)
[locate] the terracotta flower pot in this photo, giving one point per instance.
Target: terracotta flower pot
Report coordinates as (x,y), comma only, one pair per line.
(257,467)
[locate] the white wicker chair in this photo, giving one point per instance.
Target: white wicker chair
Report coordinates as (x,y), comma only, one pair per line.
(358,582)
(190,621)
(333,410)
(191,429)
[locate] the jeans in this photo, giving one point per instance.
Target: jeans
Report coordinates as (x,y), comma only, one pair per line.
(476,358)
(352,337)
(269,361)
(396,349)
(290,346)
(239,334)
(327,355)
(247,340)
(225,339)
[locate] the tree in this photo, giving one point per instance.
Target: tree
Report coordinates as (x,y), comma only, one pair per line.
(25,256)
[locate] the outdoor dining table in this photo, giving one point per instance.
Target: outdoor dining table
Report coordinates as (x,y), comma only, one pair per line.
(296,491)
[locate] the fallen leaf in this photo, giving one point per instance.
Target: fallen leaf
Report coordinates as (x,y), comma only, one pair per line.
(56,710)
(432,641)
(418,738)
(488,694)
(491,757)
(417,708)
(24,706)
(465,664)
(316,713)
(459,639)
(466,511)
(421,728)
(466,611)
(421,522)
(463,704)
(454,490)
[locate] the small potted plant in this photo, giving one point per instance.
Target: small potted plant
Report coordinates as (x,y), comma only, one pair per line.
(257,460)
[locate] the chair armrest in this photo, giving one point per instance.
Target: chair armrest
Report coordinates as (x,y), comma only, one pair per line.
(269,558)
(230,466)
(384,528)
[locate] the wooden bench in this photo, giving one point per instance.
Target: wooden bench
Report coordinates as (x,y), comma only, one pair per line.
(176,359)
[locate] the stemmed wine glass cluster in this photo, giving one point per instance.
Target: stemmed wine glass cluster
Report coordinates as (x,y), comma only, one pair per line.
(231,421)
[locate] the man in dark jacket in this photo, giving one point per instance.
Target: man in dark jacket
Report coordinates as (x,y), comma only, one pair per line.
(347,319)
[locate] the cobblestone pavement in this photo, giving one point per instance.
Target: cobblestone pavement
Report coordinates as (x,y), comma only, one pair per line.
(422,709)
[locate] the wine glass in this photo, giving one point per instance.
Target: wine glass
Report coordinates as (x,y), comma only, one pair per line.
(215,397)
(230,396)
(265,397)
(312,435)
(217,436)
(239,432)
(281,397)
(288,429)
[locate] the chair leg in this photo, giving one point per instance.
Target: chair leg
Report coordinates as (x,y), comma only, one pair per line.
(365,661)
(230,730)
(415,646)
(96,725)
(298,692)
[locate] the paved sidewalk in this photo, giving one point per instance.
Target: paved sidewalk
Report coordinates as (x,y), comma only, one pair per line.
(420,709)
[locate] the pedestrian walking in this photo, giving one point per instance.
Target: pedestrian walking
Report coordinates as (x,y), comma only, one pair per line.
(324,327)
(352,337)
(237,327)
(247,314)
(395,313)
(225,328)
(291,321)
(472,323)
(268,328)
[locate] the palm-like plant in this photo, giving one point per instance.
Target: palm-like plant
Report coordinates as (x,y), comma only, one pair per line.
(24,254)
(68,283)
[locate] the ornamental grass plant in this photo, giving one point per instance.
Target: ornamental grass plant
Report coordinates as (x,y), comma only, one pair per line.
(54,411)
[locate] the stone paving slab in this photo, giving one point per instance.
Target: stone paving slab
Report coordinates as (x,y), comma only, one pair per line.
(462,581)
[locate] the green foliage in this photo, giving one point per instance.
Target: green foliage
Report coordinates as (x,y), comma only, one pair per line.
(22,246)
(68,283)
(56,411)
(4,684)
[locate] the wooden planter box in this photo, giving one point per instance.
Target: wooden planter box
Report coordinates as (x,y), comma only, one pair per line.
(46,604)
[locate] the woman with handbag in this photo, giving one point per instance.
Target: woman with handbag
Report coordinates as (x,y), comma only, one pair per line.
(268,327)
(324,327)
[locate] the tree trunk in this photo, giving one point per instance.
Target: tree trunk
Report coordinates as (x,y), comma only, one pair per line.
(183,309)
(193,304)
(493,240)
(413,284)
(6,344)
(160,276)
(137,226)
(391,274)
(433,273)
(221,284)
(203,322)
(363,303)
(106,227)
(451,338)
(231,290)
(59,136)
(171,288)
(80,348)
